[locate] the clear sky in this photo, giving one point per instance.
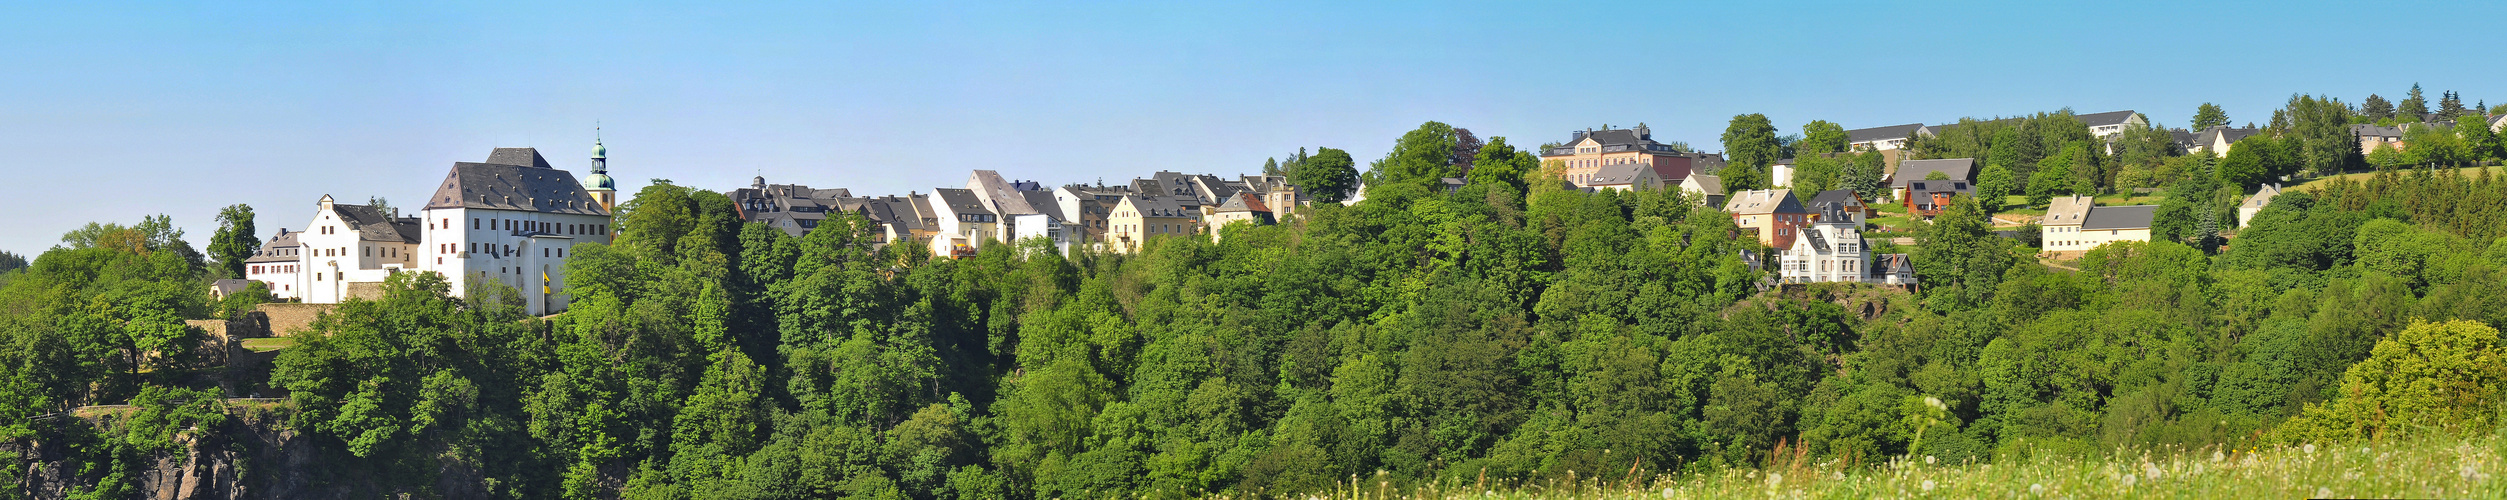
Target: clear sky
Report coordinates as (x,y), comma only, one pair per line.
(110,111)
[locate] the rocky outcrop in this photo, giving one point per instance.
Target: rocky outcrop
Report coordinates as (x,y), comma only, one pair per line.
(253,456)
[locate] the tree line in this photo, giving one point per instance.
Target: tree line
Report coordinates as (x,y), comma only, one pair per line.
(1504,332)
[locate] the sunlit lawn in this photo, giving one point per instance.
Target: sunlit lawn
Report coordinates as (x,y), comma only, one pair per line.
(2426,468)
(269,344)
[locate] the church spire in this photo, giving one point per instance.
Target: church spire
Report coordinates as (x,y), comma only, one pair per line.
(602,188)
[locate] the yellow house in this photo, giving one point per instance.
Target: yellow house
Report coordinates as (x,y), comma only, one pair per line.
(1135,219)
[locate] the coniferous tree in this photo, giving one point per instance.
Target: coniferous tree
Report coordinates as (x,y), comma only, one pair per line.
(2413,108)
(2450,106)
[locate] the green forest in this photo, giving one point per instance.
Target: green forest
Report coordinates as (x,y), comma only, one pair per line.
(1511,331)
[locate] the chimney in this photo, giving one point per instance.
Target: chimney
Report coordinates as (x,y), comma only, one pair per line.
(1578,135)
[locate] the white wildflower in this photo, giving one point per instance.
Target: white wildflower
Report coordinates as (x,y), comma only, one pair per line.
(1928,485)
(1774,479)
(2150,470)
(2216,456)
(1666,493)
(2128,480)
(2324,493)
(1928,460)
(2036,488)
(2309,448)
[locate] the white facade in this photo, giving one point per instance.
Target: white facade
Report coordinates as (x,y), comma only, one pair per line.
(526,250)
(1026,226)
(1829,251)
(344,245)
(277,265)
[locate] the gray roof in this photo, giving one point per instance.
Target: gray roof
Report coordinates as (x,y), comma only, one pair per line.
(1764,201)
(270,251)
(1963,169)
(1842,197)
(1818,241)
(2124,217)
(1243,202)
(961,201)
(1618,174)
(1891,263)
(1711,184)
(1045,204)
(372,224)
(1006,199)
(2107,118)
(2372,130)
(1157,206)
(525,157)
(2068,211)
(2222,133)
(1881,133)
(514,179)
(229,285)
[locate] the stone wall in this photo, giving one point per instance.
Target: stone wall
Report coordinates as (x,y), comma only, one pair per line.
(287,319)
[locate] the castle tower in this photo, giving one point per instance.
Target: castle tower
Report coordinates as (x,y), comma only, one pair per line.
(601,187)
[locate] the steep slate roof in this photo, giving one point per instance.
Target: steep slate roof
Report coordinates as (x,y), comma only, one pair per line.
(2107,118)
(1764,201)
(270,251)
(1711,184)
(1963,169)
(1881,133)
(525,157)
(1244,202)
(961,201)
(1841,197)
(2124,217)
(1164,207)
(1006,199)
(514,179)
(2372,130)
(2068,211)
(1618,174)
(373,225)
(1045,204)
(2184,139)
(1891,263)
(2216,133)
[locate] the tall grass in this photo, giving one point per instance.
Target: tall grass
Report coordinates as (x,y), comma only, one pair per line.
(2441,467)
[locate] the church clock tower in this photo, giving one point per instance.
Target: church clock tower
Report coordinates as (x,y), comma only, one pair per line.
(602,188)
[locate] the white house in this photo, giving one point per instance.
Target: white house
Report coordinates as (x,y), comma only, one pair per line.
(1830,250)
(2254,204)
(1781,173)
(277,265)
(1881,138)
(346,244)
(514,220)
(2111,122)
(965,224)
(1709,189)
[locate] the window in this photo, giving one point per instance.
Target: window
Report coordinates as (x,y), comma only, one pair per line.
(474,222)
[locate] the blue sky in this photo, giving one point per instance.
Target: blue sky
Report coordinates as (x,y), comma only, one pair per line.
(110,111)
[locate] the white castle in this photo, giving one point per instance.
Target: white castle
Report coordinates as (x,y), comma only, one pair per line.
(512,219)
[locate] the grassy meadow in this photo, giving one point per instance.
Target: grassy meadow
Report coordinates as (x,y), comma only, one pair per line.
(2460,467)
